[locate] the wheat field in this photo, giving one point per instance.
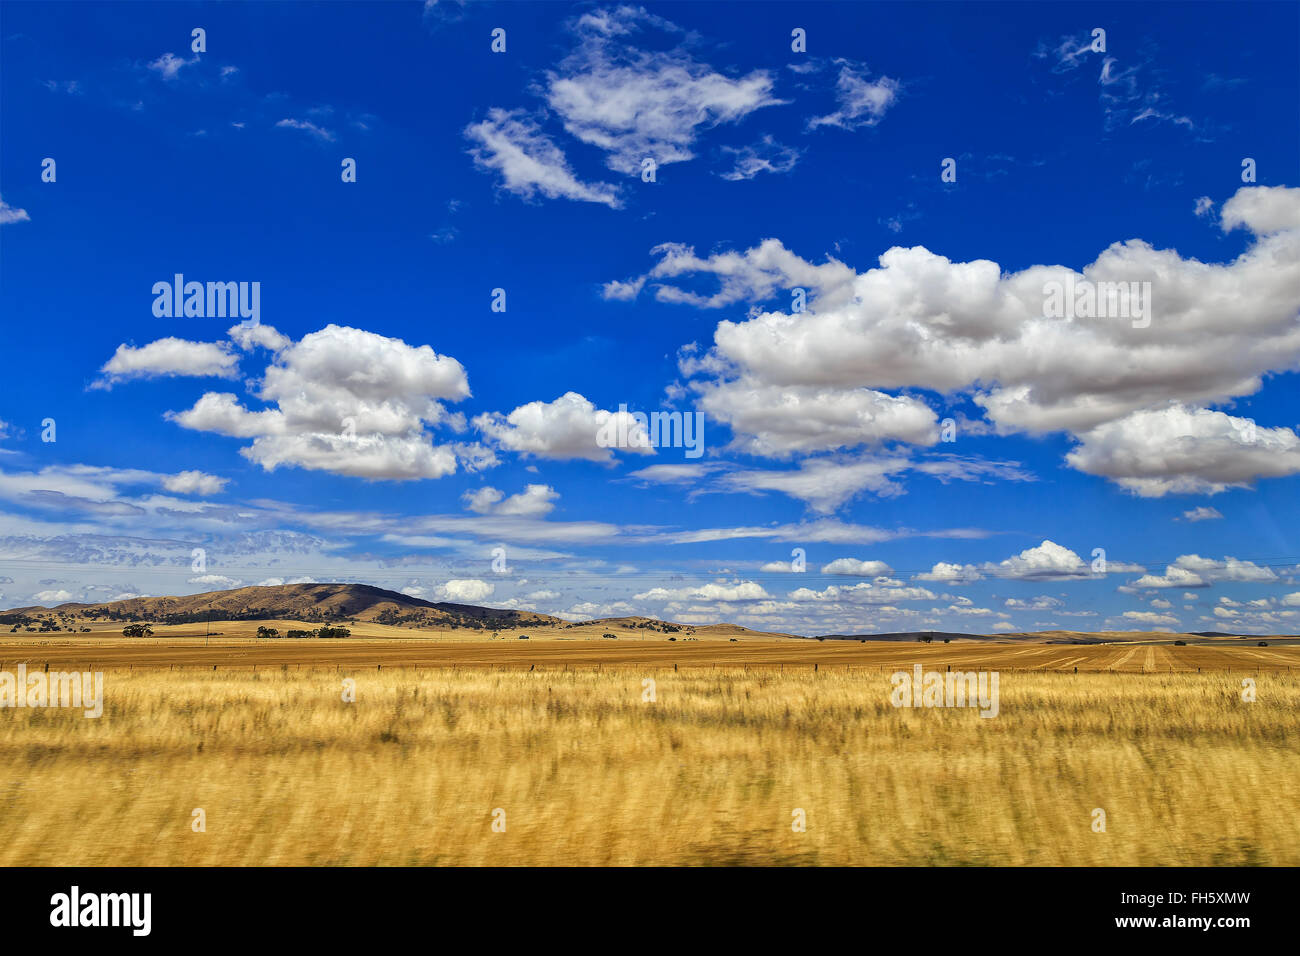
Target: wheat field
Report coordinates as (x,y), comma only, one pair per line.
(587,772)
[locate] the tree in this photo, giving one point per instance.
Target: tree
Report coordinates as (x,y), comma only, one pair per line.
(137,630)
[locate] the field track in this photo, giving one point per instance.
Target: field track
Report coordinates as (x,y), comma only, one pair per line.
(353,653)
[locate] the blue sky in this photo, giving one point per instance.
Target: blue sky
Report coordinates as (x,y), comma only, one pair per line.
(381,422)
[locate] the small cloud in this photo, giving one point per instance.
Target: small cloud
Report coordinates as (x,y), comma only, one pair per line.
(765,156)
(169,65)
(310,128)
(9,214)
(194,483)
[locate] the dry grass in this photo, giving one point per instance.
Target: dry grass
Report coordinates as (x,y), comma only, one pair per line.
(587,773)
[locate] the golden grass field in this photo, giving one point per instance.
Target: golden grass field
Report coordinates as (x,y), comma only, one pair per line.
(709,773)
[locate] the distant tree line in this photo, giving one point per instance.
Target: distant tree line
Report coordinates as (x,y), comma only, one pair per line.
(271,632)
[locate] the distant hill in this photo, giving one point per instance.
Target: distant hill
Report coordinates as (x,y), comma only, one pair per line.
(317,603)
(909,636)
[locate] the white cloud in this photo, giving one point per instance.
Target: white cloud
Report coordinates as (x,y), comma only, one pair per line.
(682,474)
(945,572)
(1150,617)
(568,427)
(528,161)
(827,483)
(48,598)
(764,156)
(1263,210)
(533,501)
(857,567)
(247,335)
(169,65)
(11,214)
(1069,52)
(862,593)
(168,358)
(1040,603)
(1048,561)
(778,421)
(755,275)
(346,401)
(1202,513)
(862,101)
(1179,450)
(218,582)
(194,483)
(1194,571)
(482,500)
(824,484)
(465,590)
(634,104)
(922,321)
(736,591)
(306,126)
(616,291)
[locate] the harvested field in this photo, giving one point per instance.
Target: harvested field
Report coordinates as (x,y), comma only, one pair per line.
(585,770)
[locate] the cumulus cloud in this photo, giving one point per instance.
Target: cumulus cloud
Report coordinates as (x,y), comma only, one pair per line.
(754,275)
(1262,210)
(1202,513)
(1151,617)
(922,321)
(346,401)
(482,500)
(1194,571)
(534,501)
(857,567)
(778,421)
(945,572)
(217,582)
(568,427)
(862,593)
(194,483)
(168,358)
(1180,450)
(1048,561)
(529,163)
(248,335)
(736,591)
(465,590)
